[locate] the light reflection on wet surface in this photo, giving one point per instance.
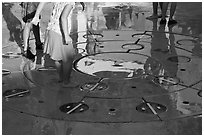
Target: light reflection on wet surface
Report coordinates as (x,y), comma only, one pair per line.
(163,70)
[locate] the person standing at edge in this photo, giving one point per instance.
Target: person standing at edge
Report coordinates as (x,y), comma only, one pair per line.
(58,43)
(172,11)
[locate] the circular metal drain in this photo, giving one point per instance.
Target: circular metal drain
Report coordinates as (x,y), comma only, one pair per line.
(132,46)
(46,68)
(5,72)
(186,42)
(200,93)
(142,35)
(144,108)
(112,111)
(16,93)
(86,36)
(165,81)
(88,86)
(66,108)
(182,69)
(179,59)
(11,55)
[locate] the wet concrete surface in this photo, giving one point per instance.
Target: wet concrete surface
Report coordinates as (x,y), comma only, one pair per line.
(147,77)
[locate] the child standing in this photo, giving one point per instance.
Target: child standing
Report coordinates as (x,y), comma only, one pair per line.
(58,43)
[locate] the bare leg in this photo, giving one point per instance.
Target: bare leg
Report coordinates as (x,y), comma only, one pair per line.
(26,34)
(155,8)
(161,5)
(59,67)
(172,10)
(36,32)
(68,56)
(164,10)
(67,69)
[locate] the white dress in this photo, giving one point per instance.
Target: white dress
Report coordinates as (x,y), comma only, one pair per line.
(56,13)
(53,40)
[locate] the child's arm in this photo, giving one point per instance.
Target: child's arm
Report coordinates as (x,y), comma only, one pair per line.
(64,20)
(36,19)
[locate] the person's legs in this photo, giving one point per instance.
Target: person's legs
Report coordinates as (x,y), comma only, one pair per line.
(26,34)
(67,69)
(68,53)
(59,67)
(164,10)
(172,11)
(155,8)
(161,5)
(36,32)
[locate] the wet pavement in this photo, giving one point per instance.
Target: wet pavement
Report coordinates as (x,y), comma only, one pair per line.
(133,75)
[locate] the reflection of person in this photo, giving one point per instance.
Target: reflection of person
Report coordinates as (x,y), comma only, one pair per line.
(155,10)
(162,48)
(58,43)
(126,17)
(30,9)
(111,16)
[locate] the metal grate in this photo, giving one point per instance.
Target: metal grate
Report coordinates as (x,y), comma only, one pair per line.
(144,108)
(16,93)
(88,86)
(165,81)
(5,72)
(74,108)
(11,55)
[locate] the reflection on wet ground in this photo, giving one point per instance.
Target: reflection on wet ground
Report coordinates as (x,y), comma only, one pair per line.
(128,70)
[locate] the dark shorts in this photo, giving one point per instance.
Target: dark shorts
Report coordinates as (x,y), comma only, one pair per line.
(30,9)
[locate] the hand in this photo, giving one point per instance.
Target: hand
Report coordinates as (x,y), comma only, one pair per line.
(22,24)
(35,20)
(68,40)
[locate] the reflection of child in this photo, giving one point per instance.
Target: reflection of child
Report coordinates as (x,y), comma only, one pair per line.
(58,43)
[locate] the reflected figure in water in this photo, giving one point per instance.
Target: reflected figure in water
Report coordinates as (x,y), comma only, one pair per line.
(14,25)
(126,17)
(162,48)
(112,17)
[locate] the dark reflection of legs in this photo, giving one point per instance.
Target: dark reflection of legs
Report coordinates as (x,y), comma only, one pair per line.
(36,32)
(172,52)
